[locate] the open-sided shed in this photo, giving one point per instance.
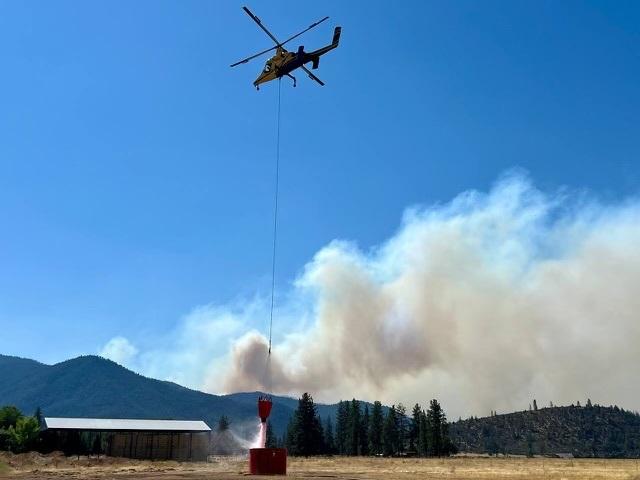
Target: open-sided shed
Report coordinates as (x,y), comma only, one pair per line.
(181,440)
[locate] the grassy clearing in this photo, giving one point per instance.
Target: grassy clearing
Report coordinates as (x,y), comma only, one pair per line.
(338,468)
(468,468)
(4,468)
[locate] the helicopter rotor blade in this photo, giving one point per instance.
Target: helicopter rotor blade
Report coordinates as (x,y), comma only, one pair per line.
(257,20)
(254,56)
(305,30)
(312,76)
(278,44)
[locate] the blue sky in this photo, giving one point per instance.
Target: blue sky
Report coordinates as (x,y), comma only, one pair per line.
(136,167)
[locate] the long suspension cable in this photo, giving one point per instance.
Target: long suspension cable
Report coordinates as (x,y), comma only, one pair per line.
(275,220)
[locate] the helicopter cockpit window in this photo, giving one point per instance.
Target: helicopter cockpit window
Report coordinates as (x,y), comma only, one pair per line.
(267,67)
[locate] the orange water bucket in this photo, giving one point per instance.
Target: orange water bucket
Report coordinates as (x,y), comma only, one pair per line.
(264,408)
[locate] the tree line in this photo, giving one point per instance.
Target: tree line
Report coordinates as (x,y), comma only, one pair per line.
(19,433)
(359,430)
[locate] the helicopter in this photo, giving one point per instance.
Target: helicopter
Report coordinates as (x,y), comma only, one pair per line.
(284,62)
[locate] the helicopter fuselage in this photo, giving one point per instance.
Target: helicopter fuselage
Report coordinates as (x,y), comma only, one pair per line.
(283,63)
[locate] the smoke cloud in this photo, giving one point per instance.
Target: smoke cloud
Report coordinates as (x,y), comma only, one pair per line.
(485,302)
(120,350)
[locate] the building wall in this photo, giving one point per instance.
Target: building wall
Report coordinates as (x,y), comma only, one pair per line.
(159,446)
(143,445)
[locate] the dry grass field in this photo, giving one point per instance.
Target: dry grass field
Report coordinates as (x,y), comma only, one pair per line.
(34,466)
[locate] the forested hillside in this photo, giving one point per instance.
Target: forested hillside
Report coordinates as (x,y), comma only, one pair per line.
(589,431)
(92,386)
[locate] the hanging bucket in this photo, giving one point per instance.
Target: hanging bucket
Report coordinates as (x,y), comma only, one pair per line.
(268,461)
(264,408)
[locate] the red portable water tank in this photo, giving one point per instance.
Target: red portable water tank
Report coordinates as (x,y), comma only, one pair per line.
(268,461)
(264,408)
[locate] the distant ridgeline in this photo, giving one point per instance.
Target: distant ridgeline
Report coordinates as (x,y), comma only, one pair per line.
(589,431)
(91,386)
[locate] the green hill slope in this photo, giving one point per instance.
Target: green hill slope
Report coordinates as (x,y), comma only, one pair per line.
(92,386)
(593,431)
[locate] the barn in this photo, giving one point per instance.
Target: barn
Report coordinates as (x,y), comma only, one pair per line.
(181,440)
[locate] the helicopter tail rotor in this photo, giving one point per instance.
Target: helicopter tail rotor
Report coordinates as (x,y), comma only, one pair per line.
(336,37)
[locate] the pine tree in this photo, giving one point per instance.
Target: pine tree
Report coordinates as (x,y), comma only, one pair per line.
(292,434)
(308,437)
(329,442)
(353,444)
(423,435)
(320,447)
(342,427)
(414,428)
(39,417)
(449,447)
(403,427)
(390,433)
(364,431)
(535,405)
(270,438)
(434,417)
(375,429)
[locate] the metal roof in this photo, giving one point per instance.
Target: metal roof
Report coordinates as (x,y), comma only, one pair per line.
(125,424)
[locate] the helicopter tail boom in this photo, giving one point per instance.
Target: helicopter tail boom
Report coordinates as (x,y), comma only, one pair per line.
(334,44)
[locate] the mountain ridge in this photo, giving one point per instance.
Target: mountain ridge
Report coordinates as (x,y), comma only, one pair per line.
(93,386)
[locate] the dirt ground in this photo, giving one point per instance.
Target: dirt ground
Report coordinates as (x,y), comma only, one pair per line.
(56,466)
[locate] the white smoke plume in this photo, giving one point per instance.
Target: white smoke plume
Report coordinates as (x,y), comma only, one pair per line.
(120,350)
(485,302)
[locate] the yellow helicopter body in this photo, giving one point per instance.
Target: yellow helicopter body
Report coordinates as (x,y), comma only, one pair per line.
(284,62)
